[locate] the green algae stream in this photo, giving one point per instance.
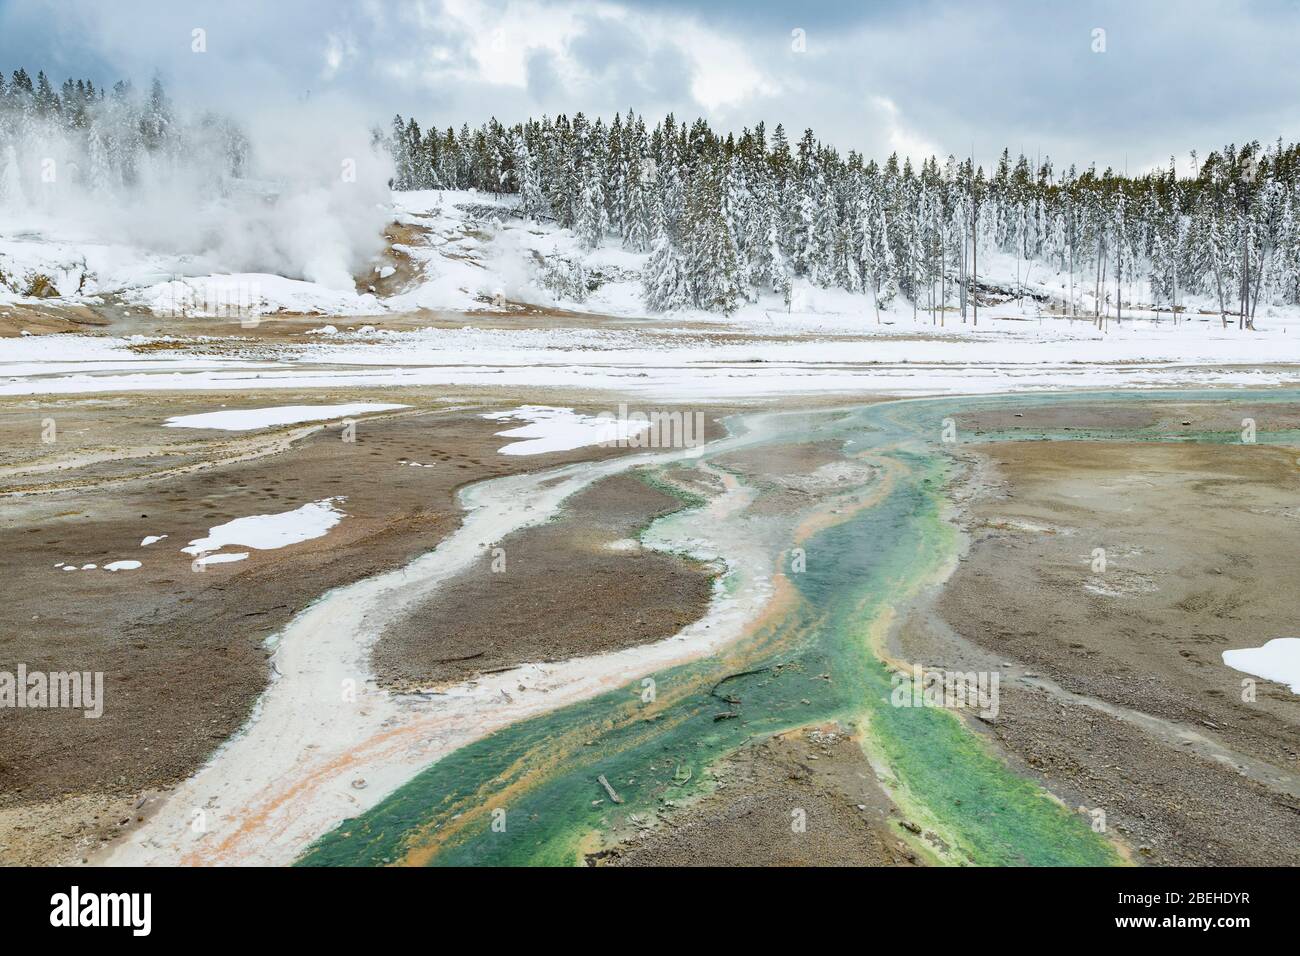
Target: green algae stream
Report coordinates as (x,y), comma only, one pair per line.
(529,793)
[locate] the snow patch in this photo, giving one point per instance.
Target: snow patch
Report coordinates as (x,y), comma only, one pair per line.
(1278,660)
(227,558)
(268,532)
(247,419)
(249,295)
(560,429)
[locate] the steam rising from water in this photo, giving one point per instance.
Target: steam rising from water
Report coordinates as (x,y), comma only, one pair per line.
(298,191)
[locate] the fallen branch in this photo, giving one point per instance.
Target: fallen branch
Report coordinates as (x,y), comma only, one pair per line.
(613,795)
(453,660)
(713,692)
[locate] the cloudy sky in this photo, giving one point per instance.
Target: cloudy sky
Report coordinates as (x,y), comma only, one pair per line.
(1120,82)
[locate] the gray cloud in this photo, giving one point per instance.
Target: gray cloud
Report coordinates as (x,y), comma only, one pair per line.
(953,75)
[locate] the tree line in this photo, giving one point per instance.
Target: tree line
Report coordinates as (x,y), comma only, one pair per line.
(726,217)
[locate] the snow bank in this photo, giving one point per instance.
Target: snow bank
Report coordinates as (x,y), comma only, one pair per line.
(560,429)
(1278,660)
(247,419)
(249,295)
(268,532)
(111,566)
(476,246)
(74,264)
(227,558)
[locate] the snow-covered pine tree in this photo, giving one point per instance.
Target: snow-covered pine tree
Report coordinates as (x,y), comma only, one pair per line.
(592,221)
(664,282)
(712,267)
(766,263)
(636,213)
(532,198)
(735,207)
(401,154)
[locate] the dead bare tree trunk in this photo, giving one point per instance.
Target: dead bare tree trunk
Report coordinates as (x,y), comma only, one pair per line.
(1119,281)
(943,278)
(1259,283)
(1218,285)
(974,266)
(1096,286)
(1071,312)
(1245,273)
(1173,300)
(1103,314)
(961,287)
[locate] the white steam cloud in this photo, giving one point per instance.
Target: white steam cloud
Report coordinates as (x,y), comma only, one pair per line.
(298,192)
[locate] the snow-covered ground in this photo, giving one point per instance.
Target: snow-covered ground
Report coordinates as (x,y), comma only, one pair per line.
(479,251)
(268,532)
(249,419)
(681,364)
(1278,660)
(560,429)
(77,265)
(466,258)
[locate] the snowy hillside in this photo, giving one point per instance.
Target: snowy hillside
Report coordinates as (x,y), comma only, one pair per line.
(473,258)
(477,252)
(464,250)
